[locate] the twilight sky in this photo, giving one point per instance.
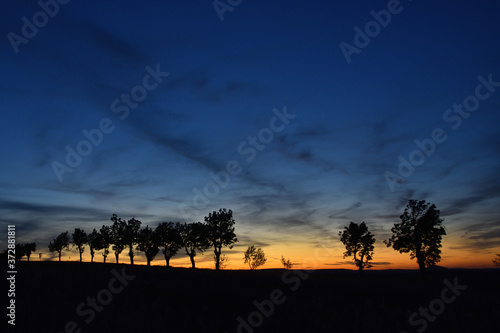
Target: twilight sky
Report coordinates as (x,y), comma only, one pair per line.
(291,114)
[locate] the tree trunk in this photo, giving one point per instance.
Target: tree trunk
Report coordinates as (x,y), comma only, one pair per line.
(192,261)
(117,255)
(421,264)
(217,259)
(149,261)
(360,266)
(80,256)
(423,273)
(131,255)
(104,259)
(60,256)
(167,260)
(28,257)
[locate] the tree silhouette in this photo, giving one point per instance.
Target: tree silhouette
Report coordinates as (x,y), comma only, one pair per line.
(496,261)
(20,251)
(131,236)
(169,238)
(254,257)
(194,239)
(60,243)
(223,261)
(148,242)
(287,264)
(105,238)
(29,248)
(220,226)
(24,250)
(358,241)
(419,233)
(93,239)
(79,239)
(118,235)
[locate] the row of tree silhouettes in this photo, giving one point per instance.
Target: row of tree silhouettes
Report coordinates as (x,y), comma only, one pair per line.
(419,233)
(25,249)
(196,237)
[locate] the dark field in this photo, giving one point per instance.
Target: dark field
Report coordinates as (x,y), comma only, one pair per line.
(52,297)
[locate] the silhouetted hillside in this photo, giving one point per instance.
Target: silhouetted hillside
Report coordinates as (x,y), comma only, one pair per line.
(157,299)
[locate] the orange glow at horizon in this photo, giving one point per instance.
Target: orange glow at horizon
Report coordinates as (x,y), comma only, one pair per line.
(304,257)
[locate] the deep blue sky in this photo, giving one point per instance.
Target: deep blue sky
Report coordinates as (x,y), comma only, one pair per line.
(324,169)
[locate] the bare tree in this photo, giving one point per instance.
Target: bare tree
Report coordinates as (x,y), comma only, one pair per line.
(287,264)
(254,257)
(358,241)
(60,243)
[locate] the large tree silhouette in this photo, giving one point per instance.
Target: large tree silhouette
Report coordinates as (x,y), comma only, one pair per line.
(20,251)
(93,240)
(79,239)
(60,243)
(24,250)
(105,240)
(169,238)
(254,257)
(118,235)
(28,249)
(148,242)
(194,239)
(220,228)
(131,236)
(358,241)
(419,233)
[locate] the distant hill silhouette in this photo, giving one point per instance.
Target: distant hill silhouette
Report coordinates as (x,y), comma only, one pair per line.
(437,268)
